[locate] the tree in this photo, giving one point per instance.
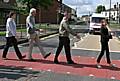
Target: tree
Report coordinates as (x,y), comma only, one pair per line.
(36,3)
(100,8)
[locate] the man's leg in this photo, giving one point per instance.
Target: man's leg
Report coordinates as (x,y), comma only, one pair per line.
(6,48)
(31,44)
(39,46)
(67,50)
(15,44)
(108,54)
(60,46)
(101,53)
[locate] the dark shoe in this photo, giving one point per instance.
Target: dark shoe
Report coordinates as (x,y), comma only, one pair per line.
(31,60)
(56,62)
(71,62)
(47,55)
(22,57)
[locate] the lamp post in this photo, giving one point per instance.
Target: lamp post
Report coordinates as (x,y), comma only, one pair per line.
(117,13)
(110,13)
(59,11)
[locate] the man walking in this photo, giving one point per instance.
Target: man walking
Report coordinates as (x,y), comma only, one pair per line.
(33,36)
(64,40)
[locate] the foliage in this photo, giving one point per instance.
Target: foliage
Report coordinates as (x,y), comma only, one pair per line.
(100,8)
(36,3)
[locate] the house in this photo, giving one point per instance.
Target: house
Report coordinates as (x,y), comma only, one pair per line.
(114,14)
(85,18)
(10,5)
(5,7)
(52,14)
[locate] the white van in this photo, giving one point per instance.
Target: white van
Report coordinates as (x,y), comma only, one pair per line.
(95,22)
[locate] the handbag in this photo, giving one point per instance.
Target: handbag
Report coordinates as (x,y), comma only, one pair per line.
(110,36)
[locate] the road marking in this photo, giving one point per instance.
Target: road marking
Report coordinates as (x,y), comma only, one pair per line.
(68,72)
(113,78)
(92,49)
(49,70)
(91,75)
(49,37)
(30,68)
(82,39)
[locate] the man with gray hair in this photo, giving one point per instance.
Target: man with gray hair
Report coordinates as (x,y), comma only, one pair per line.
(32,35)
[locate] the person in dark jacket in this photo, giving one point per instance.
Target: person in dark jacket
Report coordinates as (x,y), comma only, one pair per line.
(105,36)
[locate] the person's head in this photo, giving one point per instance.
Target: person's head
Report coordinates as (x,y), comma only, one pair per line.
(33,11)
(103,22)
(12,14)
(67,15)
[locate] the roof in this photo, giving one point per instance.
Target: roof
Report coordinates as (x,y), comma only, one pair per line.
(112,9)
(97,15)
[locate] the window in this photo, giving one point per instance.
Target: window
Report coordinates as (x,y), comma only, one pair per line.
(97,19)
(114,13)
(105,13)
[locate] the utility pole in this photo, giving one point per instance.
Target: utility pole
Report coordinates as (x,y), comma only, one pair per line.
(110,13)
(117,13)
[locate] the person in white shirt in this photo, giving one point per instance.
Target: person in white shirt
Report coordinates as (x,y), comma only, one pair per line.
(33,36)
(11,36)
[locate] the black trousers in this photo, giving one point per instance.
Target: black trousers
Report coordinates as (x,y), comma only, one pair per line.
(11,41)
(104,47)
(64,41)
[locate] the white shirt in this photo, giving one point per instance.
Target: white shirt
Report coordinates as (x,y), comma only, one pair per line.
(10,27)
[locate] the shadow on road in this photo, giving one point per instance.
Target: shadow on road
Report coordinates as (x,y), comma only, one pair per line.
(14,73)
(71,65)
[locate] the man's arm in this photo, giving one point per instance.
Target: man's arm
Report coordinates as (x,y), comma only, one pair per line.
(66,26)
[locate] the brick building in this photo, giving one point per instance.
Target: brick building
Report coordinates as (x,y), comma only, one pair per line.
(51,15)
(5,7)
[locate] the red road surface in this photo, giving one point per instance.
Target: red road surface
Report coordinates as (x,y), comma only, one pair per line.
(85,66)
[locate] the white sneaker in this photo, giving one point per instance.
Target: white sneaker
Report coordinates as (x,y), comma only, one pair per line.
(112,65)
(99,66)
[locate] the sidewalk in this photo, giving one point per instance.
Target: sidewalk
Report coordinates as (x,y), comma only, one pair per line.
(24,39)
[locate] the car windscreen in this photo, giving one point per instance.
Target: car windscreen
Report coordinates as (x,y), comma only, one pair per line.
(97,19)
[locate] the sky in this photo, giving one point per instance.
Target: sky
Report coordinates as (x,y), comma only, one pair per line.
(85,7)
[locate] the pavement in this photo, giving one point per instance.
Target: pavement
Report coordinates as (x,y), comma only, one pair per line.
(92,42)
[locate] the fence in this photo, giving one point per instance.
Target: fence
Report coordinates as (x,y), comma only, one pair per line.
(21,31)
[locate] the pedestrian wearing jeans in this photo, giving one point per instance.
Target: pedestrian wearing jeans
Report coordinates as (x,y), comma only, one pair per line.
(11,36)
(64,31)
(33,36)
(105,36)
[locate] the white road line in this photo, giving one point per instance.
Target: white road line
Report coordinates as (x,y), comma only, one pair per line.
(91,75)
(93,49)
(113,78)
(68,72)
(82,39)
(49,37)
(49,70)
